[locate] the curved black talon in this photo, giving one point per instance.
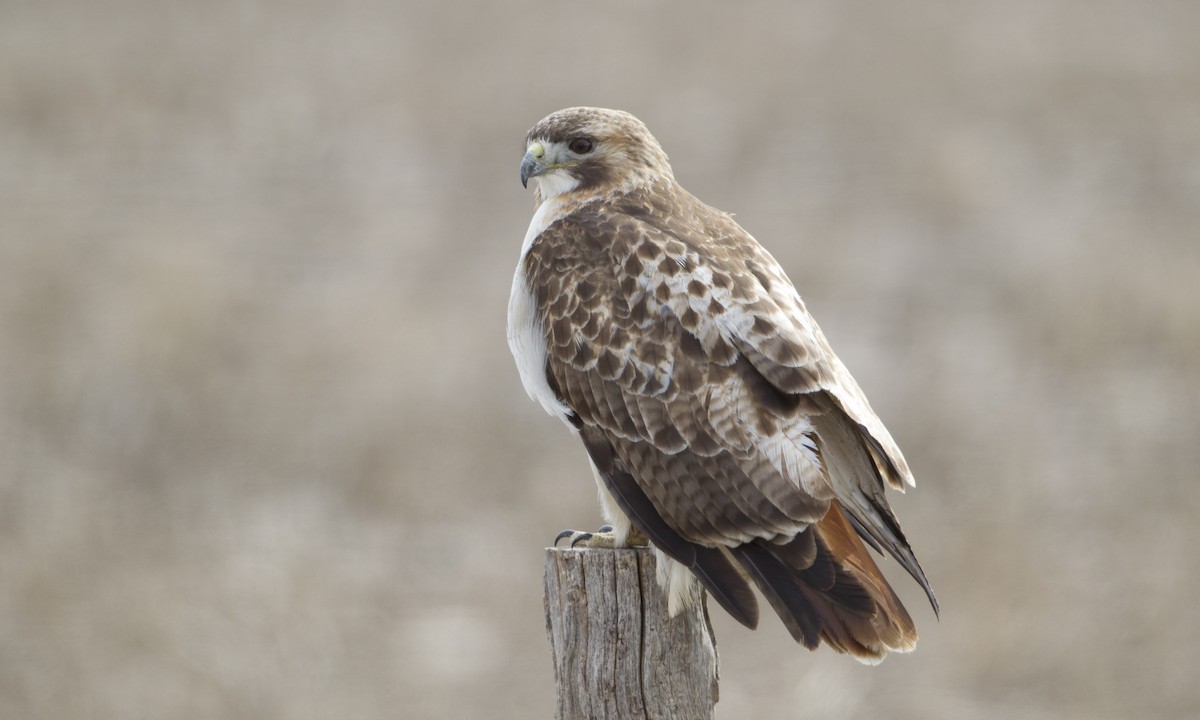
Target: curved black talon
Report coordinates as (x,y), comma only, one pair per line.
(605,528)
(581,537)
(561,535)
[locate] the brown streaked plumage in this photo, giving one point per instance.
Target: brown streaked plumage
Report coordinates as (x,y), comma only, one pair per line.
(719,422)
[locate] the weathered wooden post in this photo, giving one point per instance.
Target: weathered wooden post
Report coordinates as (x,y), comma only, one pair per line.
(616,652)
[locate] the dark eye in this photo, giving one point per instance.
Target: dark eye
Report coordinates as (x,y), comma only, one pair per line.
(581,146)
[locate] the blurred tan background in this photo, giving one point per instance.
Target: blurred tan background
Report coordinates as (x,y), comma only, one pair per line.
(264,453)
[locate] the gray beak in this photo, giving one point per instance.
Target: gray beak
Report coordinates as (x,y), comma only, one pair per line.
(534,162)
(530,167)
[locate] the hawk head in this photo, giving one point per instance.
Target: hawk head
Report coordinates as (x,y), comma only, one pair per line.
(591,149)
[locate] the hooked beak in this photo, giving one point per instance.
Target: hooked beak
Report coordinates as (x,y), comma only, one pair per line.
(533,164)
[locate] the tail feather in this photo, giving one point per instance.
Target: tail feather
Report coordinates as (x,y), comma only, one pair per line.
(840,597)
(890,624)
(783,591)
(726,585)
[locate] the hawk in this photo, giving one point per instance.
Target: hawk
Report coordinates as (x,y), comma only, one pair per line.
(719,423)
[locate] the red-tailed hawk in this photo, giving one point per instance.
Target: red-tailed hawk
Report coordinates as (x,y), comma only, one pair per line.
(718,420)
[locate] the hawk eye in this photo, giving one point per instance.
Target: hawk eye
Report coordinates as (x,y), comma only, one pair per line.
(580,146)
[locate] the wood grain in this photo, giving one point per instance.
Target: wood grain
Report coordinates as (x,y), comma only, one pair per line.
(616,652)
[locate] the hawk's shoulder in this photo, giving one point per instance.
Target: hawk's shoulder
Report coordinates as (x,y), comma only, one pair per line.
(606,274)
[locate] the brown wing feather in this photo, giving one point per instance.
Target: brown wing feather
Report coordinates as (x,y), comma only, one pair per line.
(670,405)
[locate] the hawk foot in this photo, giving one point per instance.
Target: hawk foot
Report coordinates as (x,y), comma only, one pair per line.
(604,537)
